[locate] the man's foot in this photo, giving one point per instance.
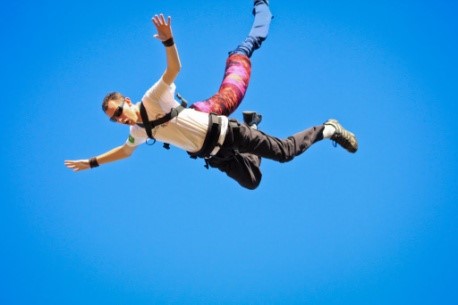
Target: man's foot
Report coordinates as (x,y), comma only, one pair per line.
(343,137)
(252,118)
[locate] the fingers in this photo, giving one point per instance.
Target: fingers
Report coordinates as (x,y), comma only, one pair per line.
(163,27)
(71,165)
(159,20)
(75,165)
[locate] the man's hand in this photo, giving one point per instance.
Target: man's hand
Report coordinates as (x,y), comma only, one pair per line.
(163,27)
(77,165)
(164,34)
(112,155)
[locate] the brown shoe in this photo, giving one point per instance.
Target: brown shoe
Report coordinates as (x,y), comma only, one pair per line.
(343,137)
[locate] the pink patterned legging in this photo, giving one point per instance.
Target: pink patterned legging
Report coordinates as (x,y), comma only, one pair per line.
(232,89)
(238,66)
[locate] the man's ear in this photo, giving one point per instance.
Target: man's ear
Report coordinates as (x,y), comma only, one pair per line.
(128,101)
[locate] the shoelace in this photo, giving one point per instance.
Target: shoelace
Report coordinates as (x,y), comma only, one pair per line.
(341,140)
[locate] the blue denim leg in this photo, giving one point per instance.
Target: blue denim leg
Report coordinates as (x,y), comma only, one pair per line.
(259,29)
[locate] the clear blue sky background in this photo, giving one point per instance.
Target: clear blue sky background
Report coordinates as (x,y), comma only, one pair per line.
(377,227)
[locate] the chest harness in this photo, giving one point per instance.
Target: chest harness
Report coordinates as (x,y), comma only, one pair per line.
(211,138)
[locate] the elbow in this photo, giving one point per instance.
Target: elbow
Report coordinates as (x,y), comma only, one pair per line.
(176,69)
(170,75)
(176,65)
(127,151)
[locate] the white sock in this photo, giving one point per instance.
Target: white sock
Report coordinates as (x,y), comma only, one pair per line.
(328,131)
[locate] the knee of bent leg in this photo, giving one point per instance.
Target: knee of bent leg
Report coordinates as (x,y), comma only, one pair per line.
(283,157)
(251,185)
(252,181)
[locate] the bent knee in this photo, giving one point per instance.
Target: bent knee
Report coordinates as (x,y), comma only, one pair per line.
(250,184)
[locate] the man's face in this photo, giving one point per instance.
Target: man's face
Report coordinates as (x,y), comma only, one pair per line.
(123,112)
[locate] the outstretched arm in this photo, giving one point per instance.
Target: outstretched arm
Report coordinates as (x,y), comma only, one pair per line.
(115,154)
(164,34)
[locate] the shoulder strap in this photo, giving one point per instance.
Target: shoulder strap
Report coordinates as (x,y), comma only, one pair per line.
(150,125)
(146,123)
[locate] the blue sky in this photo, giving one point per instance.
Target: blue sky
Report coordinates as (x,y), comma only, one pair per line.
(377,227)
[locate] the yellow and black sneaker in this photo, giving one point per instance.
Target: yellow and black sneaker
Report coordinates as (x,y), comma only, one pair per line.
(343,137)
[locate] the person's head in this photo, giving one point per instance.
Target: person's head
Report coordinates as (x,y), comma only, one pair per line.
(120,109)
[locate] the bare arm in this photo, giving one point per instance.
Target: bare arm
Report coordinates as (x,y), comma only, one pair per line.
(118,153)
(164,33)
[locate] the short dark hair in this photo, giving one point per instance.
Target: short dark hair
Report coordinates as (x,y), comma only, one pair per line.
(112,96)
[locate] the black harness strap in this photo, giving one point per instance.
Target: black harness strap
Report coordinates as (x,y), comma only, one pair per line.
(211,139)
(150,125)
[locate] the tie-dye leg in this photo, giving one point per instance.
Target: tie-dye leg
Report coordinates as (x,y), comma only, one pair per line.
(238,66)
(232,89)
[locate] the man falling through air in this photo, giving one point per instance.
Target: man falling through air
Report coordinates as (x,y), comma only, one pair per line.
(204,130)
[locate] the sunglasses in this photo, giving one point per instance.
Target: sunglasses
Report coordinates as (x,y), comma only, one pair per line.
(117,112)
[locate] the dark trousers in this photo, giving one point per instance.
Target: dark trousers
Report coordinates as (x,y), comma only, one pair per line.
(240,156)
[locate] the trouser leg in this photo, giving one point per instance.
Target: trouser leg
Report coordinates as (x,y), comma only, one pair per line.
(243,168)
(240,156)
(252,141)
